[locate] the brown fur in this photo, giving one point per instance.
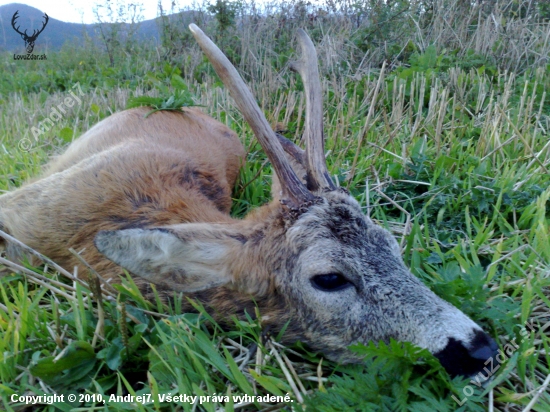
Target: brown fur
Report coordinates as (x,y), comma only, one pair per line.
(134,172)
(127,171)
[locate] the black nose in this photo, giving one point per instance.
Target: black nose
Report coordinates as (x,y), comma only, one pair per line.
(461,361)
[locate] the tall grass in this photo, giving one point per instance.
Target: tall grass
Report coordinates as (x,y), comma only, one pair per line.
(440,132)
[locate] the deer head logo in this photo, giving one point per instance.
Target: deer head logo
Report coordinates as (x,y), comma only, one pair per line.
(29,40)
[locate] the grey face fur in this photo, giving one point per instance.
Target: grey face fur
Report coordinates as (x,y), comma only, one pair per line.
(376,297)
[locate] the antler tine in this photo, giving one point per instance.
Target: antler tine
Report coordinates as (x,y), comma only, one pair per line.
(317,172)
(13,21)
(35,32)
(46,19)
(293,189)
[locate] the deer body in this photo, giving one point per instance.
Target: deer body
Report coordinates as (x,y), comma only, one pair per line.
(152,196)
(127,171)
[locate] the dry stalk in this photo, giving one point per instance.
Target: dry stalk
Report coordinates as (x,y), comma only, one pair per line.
(41,257)
(408,221)
(287,374)
(320,375)
(42,280)
(539,392)
(527,146)
(367,124)
(94,273)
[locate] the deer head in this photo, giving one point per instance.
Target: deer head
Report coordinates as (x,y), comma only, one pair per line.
(29,40)
(310,257)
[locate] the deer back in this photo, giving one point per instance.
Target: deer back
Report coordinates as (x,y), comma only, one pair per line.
(129,170)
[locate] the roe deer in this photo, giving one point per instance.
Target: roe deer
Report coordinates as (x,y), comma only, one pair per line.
(152,195)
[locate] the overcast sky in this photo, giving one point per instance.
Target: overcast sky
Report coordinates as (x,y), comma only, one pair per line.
(75,11)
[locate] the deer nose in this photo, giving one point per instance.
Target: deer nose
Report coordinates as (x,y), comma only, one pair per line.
(480,355)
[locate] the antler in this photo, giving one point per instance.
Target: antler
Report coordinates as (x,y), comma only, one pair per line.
(35,35)
(316,166)
(293,189)
(34,32)
(15,16)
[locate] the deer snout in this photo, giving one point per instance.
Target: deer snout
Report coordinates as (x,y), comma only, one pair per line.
(480,355)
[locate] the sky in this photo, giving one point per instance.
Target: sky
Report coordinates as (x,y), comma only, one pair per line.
(75,11)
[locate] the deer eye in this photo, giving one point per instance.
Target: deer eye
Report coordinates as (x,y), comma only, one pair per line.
(331,282)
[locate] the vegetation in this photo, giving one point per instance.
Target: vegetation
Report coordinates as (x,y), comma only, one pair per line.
(437,116)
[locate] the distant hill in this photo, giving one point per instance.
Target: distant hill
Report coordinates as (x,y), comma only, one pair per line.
(56,32)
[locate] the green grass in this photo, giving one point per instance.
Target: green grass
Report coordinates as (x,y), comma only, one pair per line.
(450,153)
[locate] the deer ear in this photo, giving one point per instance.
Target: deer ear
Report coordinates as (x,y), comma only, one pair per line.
(187,258)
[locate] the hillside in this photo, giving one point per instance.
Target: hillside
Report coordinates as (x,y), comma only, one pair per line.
(56,32)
